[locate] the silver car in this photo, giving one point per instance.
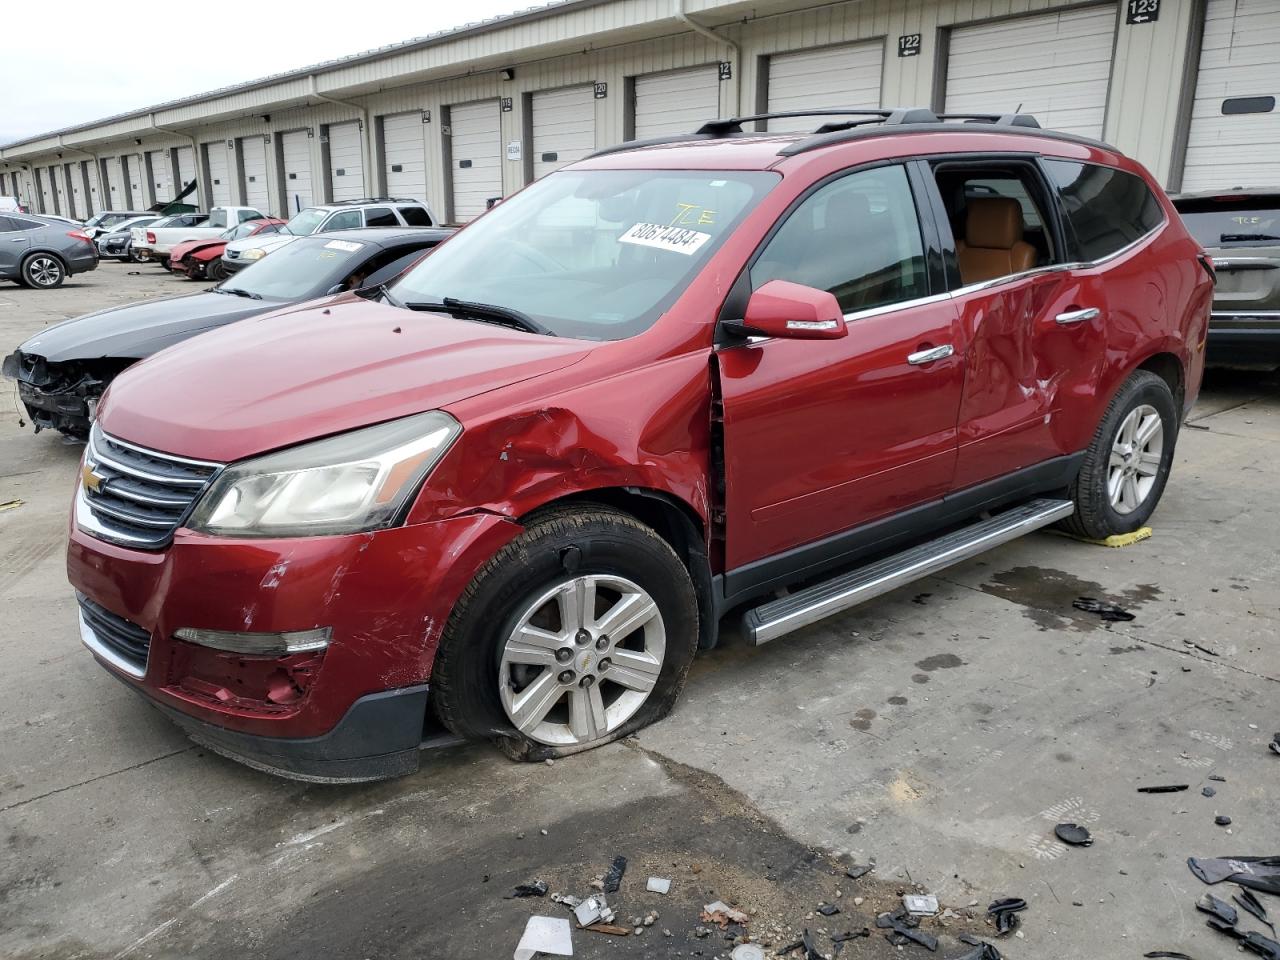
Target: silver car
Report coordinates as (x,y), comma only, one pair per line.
(39,252)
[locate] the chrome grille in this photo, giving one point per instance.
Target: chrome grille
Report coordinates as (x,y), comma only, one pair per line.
(135,496)
(122,639)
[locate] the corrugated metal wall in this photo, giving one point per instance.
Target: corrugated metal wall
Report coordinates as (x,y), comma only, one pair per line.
(608,44)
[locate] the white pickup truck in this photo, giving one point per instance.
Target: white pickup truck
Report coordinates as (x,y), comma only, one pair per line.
(155,242)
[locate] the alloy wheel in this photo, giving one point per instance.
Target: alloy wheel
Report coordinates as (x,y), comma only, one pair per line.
(582,659)
(44,271)
(1135,459)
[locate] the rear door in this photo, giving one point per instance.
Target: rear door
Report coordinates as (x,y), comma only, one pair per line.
(14,240)
(822,436)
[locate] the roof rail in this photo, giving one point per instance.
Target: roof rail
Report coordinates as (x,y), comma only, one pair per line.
(1000,119)
(347,203)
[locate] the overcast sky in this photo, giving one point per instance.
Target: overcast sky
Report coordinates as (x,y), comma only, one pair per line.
(77,60)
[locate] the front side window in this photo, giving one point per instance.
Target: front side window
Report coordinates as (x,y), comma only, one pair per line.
(595,254)
(1106,209)
(380,217)
(1233,220)
(305,222)
(857,237)
(346,220)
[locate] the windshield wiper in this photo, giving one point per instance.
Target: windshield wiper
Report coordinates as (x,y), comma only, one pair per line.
(1244,237)
(238,292)
(487,312)
(380,290)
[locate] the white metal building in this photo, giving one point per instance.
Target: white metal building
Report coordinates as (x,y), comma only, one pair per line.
(1189,87)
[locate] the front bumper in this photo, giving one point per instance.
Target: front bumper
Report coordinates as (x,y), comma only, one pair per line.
(1244,339)
(355,711)
(233,267)
(56,397)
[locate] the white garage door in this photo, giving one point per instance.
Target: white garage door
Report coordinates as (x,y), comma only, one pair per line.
(161,176)
(187,175)
(564,127)
(75,190)
(1235,119)
(296,151)
(346,167)
(136,179)
(676,102)
(54,179)
(404,151)
(253,159)
(476,168)
(845,76)
(215,154)
(115,199)
(1056,66)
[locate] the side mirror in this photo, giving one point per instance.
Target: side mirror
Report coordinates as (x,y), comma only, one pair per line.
(791,311)
(336,288)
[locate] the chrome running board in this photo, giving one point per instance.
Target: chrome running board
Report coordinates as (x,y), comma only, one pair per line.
(778,617)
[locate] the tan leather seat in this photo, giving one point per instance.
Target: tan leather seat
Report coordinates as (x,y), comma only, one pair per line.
(993,245)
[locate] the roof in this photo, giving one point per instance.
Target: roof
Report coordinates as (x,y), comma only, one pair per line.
(1242,192)
(326,66)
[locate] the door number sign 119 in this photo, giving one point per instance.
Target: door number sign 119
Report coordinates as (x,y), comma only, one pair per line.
(1142,11)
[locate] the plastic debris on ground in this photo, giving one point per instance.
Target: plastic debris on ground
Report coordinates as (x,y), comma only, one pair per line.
(982,949)
(594,909)
(721,914)
(1253,905)
(610,928)
(902,929)
(567,899)
(856,871)
(1073,834)
(1222,910)
(1222,820)
(1209,792)
(828,909)
(613,879)
(1165,788)
(1275,744)
(748,951)
(920,905)
(538,888)
(550,935)
(1257,873)
(658,885)
(1107,611)
(10,505)
(850,935)
(1170,954)
(1004,914)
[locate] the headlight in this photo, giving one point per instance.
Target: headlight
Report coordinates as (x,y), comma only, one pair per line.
(355,481)
(253,253)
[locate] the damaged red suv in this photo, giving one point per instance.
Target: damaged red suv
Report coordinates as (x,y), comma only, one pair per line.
(514,492)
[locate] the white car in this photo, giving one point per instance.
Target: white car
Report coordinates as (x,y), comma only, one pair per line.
(155,242)
(344,215)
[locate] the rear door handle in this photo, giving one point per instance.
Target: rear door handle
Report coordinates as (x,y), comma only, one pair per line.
(930,355)
(1077,316)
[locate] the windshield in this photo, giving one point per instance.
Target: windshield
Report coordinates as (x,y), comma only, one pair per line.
(595,254)
(1233,221)
(305,268)
(305,223)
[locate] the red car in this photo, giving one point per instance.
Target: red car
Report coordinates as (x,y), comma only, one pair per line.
(515,491)
(202,259)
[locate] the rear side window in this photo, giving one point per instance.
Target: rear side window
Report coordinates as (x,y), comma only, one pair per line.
(1233,220)
(1106,209)
(380,217)
(20,223)
(415,216)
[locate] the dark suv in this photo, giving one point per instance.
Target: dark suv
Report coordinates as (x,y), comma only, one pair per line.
(515,490)
(1241,231)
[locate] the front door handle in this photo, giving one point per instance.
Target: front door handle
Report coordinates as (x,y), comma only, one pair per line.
(930,355)
(1077,316)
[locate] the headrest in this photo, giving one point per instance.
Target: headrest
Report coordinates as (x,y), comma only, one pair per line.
(994,222)
(846,206)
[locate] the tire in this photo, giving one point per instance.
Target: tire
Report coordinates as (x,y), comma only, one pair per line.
(164,262)
(215,271)
(43,271)
(136,258)
(480,681)
(1123,475)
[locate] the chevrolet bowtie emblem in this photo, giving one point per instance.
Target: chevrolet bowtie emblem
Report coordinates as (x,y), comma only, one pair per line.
(92,481)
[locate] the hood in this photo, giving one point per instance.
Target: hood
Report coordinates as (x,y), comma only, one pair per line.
(140,329)
(270,242)
(330,366)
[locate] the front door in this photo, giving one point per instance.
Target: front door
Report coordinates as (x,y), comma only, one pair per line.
(824,436)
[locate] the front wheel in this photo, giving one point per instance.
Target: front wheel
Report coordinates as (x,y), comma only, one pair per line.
(215,271)
(577,633)
(1127,464)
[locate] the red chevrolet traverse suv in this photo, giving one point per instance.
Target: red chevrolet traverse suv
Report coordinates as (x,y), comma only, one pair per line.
(513,492)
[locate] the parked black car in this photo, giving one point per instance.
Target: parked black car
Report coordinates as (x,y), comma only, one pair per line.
(41,252)
(63,370)
(1240,229)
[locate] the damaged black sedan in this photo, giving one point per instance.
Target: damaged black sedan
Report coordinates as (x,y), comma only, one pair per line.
(63,371)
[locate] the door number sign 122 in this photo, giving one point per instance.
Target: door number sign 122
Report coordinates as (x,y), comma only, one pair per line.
(1142,11)
(909,45)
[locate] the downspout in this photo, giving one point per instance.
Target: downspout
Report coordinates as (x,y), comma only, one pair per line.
(736,51)
(195,158)
(366,151)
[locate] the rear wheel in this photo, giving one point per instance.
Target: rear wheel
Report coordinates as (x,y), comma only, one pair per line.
(578,632)
(1127,464)
(43,271)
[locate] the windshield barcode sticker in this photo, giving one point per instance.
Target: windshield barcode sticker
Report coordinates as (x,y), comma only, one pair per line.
(677,239)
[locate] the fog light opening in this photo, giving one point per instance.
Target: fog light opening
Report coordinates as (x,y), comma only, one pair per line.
(263,644)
